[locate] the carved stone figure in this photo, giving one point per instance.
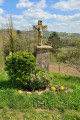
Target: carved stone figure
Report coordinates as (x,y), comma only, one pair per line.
(39,28)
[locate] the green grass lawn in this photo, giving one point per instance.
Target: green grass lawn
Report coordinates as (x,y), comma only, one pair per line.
(47,106)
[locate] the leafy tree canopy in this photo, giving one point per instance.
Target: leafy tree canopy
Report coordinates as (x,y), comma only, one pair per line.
(54,40)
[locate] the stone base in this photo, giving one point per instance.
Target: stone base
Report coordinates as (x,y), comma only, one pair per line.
(42,54)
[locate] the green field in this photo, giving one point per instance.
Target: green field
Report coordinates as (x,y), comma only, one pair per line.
(49,105)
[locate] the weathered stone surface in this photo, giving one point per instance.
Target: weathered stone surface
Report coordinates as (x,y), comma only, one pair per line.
(43,56)
(42,52)
(39,28)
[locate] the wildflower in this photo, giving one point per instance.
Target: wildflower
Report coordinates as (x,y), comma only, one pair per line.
(53,88)
(61,87)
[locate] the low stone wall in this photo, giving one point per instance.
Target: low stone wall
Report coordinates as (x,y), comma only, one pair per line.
(64,69)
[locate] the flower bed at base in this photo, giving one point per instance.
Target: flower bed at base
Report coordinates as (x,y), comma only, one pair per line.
(54,88)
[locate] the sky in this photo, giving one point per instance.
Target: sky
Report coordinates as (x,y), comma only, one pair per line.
(58,15)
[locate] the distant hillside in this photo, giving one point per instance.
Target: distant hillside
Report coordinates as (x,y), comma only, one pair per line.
(47,33)
(63,34)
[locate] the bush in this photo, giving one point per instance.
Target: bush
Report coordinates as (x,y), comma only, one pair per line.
(21,70)
(62,57)
(19,66)
(39,80)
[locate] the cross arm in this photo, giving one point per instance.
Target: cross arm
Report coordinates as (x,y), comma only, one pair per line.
(35,27)
(44,27)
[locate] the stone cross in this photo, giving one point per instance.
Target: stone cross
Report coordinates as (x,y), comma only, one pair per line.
(39,28)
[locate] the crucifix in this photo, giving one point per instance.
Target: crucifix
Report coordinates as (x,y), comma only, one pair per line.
(39,28)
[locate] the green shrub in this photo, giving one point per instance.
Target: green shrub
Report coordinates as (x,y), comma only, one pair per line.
(39,80)
(19,66)
(21,70)
(62,57)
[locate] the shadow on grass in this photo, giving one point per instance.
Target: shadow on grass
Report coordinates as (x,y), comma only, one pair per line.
(9,84)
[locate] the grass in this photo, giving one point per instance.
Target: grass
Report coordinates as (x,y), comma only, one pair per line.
(47,106)
(67,48)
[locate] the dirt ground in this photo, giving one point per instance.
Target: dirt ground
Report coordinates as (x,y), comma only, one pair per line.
(64,69)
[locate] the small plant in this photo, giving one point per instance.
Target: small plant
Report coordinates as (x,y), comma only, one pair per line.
(39,80)
(57,88)
(61,88)
(53,88)
(19,66)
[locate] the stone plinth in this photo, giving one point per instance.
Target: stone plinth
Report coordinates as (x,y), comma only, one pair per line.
(42,54)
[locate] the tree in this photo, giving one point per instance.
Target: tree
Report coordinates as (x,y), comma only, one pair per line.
(7,35)
(13,40)
(10,31)
(54,41)
(78,45)
(5,40)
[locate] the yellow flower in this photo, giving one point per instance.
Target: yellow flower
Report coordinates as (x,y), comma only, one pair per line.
(53,88)
(62,88)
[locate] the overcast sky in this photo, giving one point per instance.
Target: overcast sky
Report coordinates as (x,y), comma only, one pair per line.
(58,15)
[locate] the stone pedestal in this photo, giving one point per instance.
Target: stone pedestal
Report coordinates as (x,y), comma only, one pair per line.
(42,54)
